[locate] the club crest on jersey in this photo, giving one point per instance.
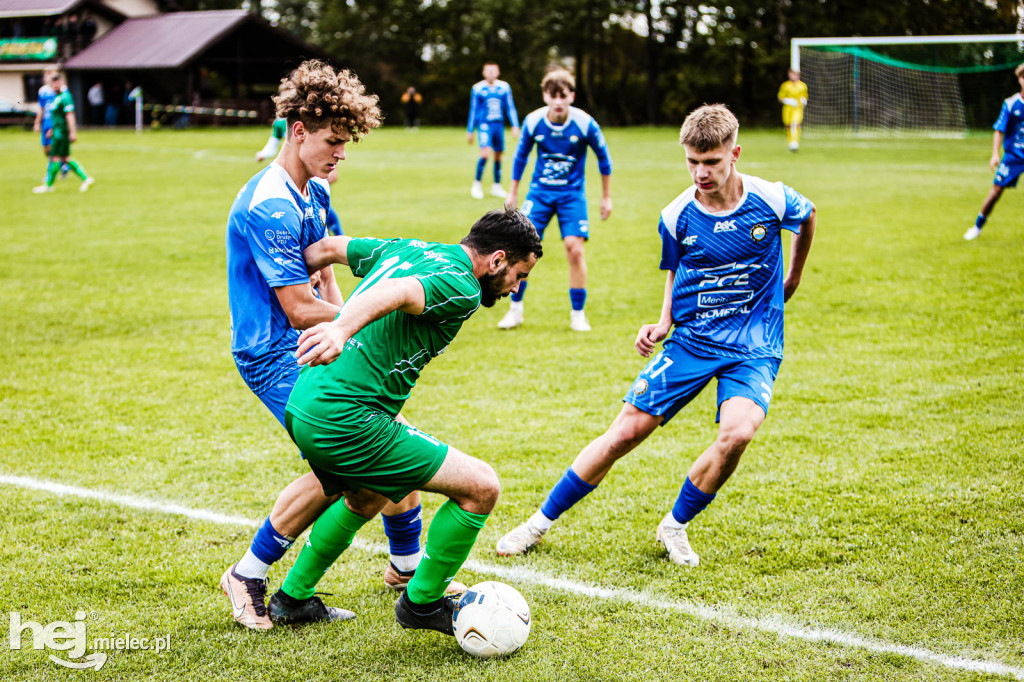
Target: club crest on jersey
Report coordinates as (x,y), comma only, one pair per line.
(758,232)
(323,216)
(574,139)
(640,387)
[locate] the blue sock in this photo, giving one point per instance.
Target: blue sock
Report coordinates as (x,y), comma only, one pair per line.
(691,501)
(497,172)
(403,531)
(577,298)
(480,168)
(569,490)
(518,295)
(268,545)
(980,222)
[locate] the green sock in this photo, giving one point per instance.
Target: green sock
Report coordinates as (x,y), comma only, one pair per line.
(51,172)
(79,171)
(331,535)
(449,540)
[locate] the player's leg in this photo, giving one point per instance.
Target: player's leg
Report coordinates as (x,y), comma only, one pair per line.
(498,145)
(744,395)
(329,537)
(472,488)
(539,208)
(575,227)
(484,141)
(796,123)
(1007,174)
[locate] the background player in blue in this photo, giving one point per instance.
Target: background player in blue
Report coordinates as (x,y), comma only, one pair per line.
(1009,134)
(489,104)
(562,134)
(44,121)
(724,295)
(282,210)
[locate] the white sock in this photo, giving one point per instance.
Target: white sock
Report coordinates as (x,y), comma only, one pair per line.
(408,562)
(251,567)
(670,522)
(516,306)
(541,522)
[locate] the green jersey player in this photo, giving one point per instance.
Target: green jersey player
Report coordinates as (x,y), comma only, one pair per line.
(361,368)
(64,132)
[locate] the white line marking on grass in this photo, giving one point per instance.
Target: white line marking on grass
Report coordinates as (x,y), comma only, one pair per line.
(720,615)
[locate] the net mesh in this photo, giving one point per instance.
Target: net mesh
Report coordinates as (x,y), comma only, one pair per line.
(940,90)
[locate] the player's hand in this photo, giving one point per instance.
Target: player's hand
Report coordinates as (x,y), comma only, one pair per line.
(993,163)
(789,286)
(72,137)
(515,131)
(321,345)
(512,201)
(649,336)
(315,282)
(469,138)
(606,207)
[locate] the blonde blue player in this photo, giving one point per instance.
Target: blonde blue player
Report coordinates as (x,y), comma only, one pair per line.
(562,134)
(721,318)
(1009,135)
(490,104)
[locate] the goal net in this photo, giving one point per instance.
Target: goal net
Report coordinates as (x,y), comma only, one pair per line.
(938,85)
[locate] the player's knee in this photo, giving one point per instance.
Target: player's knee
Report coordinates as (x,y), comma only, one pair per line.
(488,487)
(625,437)
(735,438)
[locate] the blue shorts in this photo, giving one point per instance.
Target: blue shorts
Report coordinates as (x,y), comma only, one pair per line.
(676,375)
(491,135)
(43,139)
(276,397)
(1010,168)
(571,208)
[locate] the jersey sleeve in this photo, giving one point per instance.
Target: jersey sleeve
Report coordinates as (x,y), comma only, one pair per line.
(334,222)
(595,138)
(513,116)
(1004,118)
(798,208)
(671,249)
(523,148)
(364,253)
(471,125)
(449,294)
(273,231)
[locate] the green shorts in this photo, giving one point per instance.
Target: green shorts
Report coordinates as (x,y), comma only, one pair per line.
(60,146)
(366,449)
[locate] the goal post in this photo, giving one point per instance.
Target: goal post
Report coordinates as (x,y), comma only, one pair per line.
(913,85)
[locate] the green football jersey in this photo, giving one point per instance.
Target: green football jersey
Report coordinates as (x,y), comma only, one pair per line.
(62,105)
(382,362)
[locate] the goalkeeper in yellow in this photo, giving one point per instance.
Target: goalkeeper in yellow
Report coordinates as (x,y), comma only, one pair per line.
(793,96)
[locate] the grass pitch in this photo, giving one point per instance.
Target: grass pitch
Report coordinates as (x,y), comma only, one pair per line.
(881,501)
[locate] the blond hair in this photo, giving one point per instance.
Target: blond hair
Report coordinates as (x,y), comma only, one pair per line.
(319,96)
(1018,71)
(558,80)
(709,127)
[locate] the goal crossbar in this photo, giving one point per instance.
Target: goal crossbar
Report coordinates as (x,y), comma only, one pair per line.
(797,43)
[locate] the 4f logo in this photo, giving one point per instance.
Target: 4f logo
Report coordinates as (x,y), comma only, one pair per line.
(725,226)
(690,241)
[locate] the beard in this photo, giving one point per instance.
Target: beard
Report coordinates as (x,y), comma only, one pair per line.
(490,289)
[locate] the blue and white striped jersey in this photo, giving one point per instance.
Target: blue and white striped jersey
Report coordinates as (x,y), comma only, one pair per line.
(1011,124)
(727,298)
(269,227)
(561,150)
(491,104)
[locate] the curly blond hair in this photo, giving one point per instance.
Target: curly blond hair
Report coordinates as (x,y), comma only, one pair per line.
(709,127)
(319,96)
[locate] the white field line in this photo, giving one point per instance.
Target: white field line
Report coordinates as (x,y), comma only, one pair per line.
(722,616)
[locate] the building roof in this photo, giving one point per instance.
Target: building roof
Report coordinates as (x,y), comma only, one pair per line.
(158,42)
(36,8)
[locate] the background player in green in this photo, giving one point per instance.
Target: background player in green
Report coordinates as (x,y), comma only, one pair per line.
(274,141)
(412,301)
(62,112)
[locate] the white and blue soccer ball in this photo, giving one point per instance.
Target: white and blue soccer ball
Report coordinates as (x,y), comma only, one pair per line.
(491,619)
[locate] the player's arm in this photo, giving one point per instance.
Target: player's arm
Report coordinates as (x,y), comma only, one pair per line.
(328,287)
(322,344)
(303,308)
(801,246)
(37,126)
(606,196)
(327,251)
(997,150)
(269,149)
(72,128)
(471,125)
(604,164)
(650,335)
(519,165)
(513,115)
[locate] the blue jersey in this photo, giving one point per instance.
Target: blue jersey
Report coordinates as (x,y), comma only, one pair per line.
(727,297)
(269,227)
(1011,124)
(491,104)
(561,150)
(46,97)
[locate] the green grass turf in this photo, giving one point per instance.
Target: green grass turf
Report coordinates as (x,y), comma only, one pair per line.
(882,498)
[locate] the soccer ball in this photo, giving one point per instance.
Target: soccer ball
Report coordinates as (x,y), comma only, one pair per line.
(491,619)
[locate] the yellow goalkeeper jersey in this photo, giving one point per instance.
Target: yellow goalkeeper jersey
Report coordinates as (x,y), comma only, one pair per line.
(793,91)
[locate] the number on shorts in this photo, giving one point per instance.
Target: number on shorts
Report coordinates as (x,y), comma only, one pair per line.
(666,363)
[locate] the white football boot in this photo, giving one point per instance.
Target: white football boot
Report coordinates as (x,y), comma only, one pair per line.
(519,540)
(578,321)
(972,233)
(513,318)
(678,545)
(498,191)
(477,190)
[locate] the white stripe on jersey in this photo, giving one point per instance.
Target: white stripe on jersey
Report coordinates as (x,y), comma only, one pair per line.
(274,185)
(773,193)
